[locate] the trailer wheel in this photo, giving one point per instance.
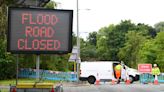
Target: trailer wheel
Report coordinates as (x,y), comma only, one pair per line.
(91,79)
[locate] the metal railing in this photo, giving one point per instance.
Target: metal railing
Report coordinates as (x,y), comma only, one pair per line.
(148,78)
(48,75)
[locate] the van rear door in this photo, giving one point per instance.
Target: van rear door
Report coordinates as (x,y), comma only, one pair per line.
(106,71)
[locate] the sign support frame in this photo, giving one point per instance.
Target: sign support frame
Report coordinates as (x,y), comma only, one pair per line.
(37,67)
(17,67)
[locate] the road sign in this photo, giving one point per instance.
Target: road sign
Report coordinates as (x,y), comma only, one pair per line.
(39,31)
(74,57)
(145,68)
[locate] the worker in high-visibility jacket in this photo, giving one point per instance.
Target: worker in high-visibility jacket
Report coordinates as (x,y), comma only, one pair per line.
(155,70)
(155,73)
(118,72)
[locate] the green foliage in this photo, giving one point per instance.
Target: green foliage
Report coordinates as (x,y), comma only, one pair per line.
(3,21)
(7,3)
(92,38)
(7,63)
(148,52)
(102,38)
(74,38)
(153,51)
(88,48)
(146,30)
(88,52)
(129,53)
(116,38)
(127,42)
(51,5)
(159,26)
(159,42)
(108,48)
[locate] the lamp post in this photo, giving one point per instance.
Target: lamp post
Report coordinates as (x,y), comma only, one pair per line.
(78,60)
(78,41)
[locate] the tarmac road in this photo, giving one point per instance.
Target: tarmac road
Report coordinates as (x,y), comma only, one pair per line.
(137,87)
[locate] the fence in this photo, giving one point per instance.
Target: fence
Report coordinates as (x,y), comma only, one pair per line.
(147,78)
(48,75)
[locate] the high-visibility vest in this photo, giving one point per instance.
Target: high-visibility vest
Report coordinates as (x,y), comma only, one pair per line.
(155,71)
(118,67)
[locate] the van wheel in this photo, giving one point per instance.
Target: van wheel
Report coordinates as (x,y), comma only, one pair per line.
(131,78)
(91,79)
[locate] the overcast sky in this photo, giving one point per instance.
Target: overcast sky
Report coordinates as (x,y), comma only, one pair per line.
(105,12)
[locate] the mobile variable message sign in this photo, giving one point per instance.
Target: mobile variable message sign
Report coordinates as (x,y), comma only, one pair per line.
(39,31)
(145,68)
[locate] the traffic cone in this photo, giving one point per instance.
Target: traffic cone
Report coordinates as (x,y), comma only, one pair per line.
(52,90)
(14,89)
(127,80)
(156,80)
(97,80)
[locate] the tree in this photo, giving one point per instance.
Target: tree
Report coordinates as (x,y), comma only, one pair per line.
(88,53)
(129,53)
(92,38)
(159,42)
(1,2)
(108,48)
(102,48)
(152,51)
(7,62)
(88,48)
(3,19)
(74,38)
(116,38)
(159,26)
(147,52)
(146,30)
(51,5)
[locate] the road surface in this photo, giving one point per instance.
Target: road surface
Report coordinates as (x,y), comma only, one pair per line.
(137,87)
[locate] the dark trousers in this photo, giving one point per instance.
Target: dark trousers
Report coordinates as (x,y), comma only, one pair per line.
(154,76)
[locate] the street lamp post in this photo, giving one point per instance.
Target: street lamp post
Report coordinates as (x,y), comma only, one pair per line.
(78,41)
(78,60)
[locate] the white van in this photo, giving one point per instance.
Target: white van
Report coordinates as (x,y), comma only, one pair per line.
(104,70)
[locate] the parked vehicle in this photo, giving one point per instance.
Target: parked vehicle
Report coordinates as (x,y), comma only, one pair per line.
(104,70)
